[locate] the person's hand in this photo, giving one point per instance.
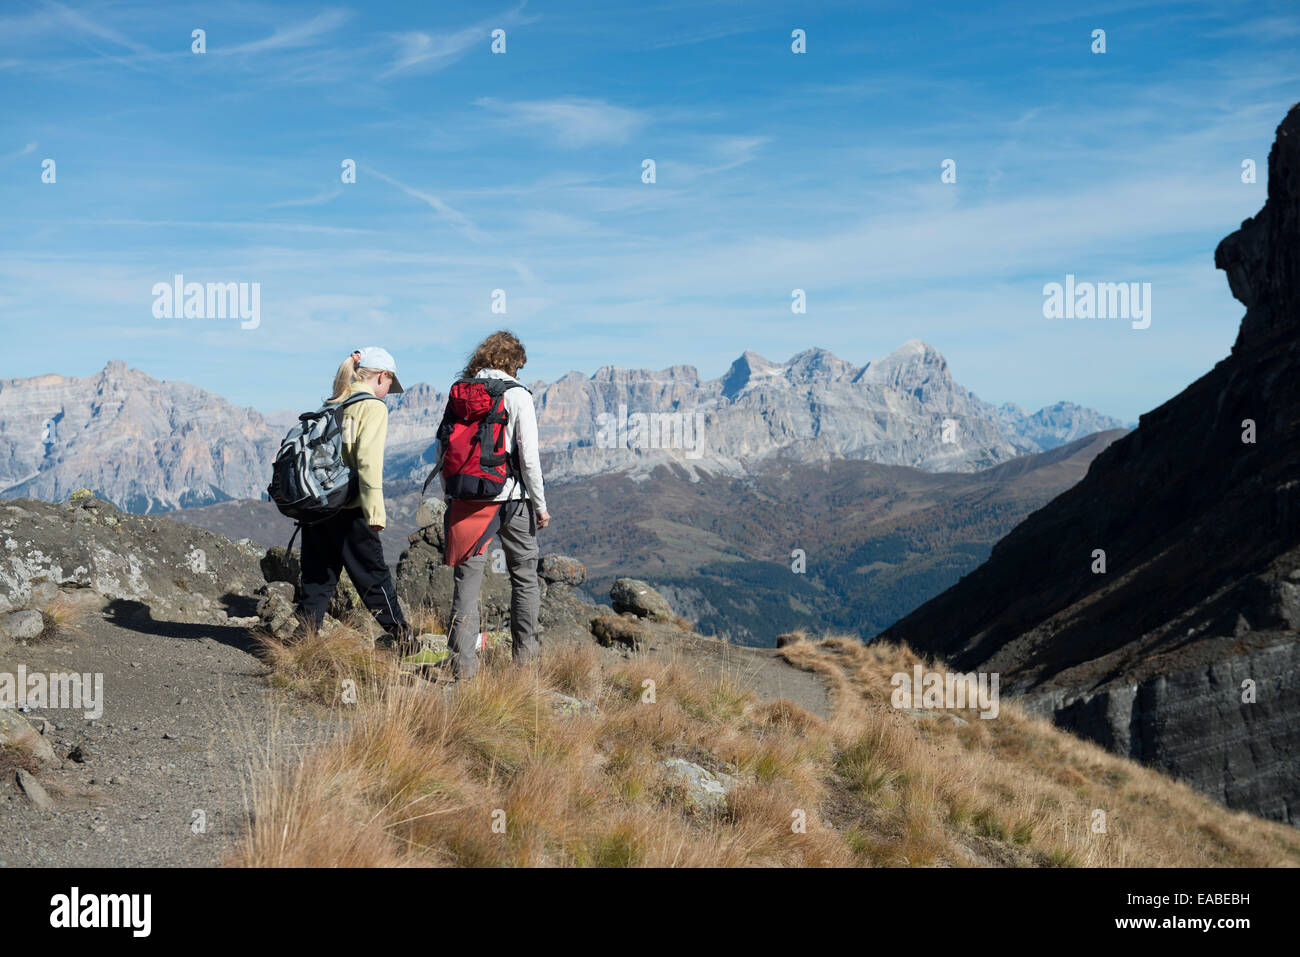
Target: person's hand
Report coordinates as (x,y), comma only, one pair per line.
(376,528)
(543,519)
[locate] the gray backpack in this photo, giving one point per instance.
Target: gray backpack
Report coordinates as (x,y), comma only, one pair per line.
(310,482)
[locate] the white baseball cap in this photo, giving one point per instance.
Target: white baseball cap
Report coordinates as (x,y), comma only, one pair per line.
(373,357)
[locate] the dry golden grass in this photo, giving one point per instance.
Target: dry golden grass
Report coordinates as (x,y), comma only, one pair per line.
(67,614)
(488,773)
(427,619)
(319,666)
(1014,789)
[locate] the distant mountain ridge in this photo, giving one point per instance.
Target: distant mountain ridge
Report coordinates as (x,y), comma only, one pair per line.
(152,446)
(145,445)
(902,409)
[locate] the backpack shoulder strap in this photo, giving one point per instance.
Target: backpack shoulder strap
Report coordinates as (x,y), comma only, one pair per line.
(354,399)
(497,387)
(351,400)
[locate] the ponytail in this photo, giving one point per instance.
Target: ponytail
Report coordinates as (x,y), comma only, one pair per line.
(349,372)
(343,380)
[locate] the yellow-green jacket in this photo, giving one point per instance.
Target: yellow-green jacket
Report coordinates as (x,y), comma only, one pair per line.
(365,427)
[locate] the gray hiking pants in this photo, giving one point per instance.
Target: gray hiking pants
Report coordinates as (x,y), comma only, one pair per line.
(519,541)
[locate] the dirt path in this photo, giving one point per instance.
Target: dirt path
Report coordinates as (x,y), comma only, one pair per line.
(184,709)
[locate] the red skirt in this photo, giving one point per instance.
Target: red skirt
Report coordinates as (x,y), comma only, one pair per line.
(469,527)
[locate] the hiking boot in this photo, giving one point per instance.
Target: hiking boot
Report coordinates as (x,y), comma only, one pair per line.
(389,645)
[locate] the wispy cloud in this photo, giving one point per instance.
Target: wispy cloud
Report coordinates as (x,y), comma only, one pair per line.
(317,200)
(27,150)
(451,215)
(419,51)
(705,34)
(291,37)
(571,122)
(83,24)
(722,154)
(1265,29)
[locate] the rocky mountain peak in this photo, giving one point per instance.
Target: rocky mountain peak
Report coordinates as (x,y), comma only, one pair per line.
(746,370)
(910,364)
(1260,258)
(818,364)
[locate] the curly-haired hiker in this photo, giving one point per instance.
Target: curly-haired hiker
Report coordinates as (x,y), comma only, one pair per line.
(492,478)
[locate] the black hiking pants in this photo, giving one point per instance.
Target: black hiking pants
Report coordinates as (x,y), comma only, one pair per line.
(346,541)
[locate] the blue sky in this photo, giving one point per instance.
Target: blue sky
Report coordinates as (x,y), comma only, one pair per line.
(522,172)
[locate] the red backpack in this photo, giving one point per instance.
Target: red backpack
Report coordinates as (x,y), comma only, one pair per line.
(473,433)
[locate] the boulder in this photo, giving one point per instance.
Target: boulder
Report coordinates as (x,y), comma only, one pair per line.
(24,625)
(922,714)
(433,535)
(613,630)
(433,652)
(562,569)
(278,565)
(423,581)
(16,732)
(565,613)
(276,608)
(35,793)
(43,593)
(430,514)
(634,595)
(568,706)
(701,789)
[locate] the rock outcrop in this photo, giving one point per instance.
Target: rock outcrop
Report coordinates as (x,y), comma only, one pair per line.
(279,565)
(702,791)
(424,582)
(619,631)
(88,552)
(1155,606)
(635,596)
(639,618)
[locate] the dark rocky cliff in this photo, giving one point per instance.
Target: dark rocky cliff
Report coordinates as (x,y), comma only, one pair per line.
(1200,599)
